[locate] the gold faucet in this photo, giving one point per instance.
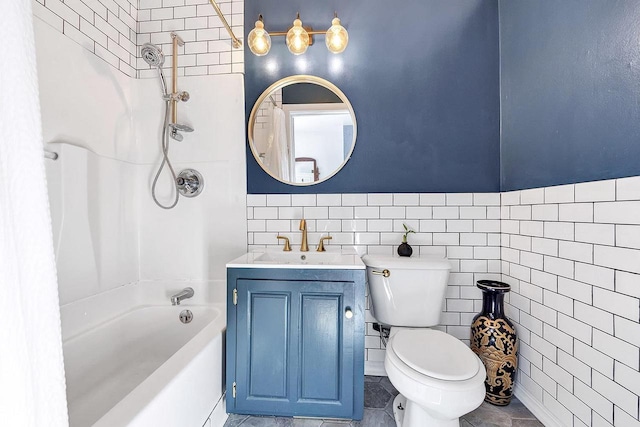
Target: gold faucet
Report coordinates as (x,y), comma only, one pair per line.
(321,244)
(287,247)
(304,247)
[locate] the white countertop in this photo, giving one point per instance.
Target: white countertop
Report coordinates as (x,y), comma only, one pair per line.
(343,260)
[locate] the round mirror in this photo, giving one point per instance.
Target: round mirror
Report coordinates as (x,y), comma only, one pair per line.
(302,130)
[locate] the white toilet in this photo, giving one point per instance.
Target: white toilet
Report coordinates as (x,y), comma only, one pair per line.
(439,378)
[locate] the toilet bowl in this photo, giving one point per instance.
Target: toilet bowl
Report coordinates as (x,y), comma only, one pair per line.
(439,378)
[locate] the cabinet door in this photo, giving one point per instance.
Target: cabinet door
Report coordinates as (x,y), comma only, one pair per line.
(325,349)
(262,347)
(295,348)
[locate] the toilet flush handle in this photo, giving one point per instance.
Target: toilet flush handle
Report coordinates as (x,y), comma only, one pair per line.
(383,273)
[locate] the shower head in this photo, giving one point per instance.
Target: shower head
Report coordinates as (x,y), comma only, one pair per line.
(152,55)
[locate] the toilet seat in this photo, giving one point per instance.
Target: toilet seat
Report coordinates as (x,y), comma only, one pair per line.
(434,354)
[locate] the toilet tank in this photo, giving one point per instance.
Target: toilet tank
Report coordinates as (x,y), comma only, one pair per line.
(413,291)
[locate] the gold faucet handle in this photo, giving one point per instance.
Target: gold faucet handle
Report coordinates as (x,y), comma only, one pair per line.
(287,246)
(321,244)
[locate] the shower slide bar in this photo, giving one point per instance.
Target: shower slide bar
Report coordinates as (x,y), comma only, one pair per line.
(235,41)
(51,155)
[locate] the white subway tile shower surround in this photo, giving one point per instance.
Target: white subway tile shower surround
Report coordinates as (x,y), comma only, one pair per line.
(114,30)
(106,28)
(576,298)
(208,48)
(463,227)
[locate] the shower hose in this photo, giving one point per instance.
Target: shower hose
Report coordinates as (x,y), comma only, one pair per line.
(165,160)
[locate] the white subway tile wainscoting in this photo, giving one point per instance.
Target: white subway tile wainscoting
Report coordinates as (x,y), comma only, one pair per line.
(573,266)
(571,254)
(463,227)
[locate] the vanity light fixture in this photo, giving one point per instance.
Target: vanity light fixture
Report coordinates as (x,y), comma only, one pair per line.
(337,37)
(298,38)
(258,39)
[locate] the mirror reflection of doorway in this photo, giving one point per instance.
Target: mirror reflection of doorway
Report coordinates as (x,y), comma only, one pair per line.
(306,169)
(318,131)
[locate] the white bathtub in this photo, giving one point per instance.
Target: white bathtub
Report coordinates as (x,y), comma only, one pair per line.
(130,361)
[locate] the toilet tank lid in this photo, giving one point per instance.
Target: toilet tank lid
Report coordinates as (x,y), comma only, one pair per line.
(407,263)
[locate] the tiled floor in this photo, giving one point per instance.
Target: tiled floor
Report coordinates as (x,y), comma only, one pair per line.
(378,412)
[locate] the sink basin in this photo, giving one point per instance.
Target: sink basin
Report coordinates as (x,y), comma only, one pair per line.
(297,259)
(303,258)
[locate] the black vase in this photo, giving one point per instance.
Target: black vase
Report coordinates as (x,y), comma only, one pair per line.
(494,340)
(405,249)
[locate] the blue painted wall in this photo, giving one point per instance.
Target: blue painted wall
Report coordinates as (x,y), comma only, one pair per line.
(423,78)
(570,89)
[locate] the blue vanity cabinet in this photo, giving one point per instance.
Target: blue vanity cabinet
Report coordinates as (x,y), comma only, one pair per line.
(295,342)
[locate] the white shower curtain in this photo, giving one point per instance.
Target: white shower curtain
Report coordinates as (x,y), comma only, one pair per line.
(32,384)
(277,156)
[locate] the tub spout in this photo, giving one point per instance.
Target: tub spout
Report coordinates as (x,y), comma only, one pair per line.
(183,294)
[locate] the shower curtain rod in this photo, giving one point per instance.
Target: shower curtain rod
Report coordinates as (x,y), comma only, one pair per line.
(235,41)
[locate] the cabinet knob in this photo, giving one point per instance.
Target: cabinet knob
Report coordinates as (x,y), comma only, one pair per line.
(348,313)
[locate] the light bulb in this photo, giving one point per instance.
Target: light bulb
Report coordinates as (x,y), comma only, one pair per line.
(259,40)
(337,37)
(297,38)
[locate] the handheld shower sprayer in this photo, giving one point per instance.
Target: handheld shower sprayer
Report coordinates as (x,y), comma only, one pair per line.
(153,56)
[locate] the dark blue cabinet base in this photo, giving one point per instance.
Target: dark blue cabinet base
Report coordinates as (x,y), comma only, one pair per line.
(295,342)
